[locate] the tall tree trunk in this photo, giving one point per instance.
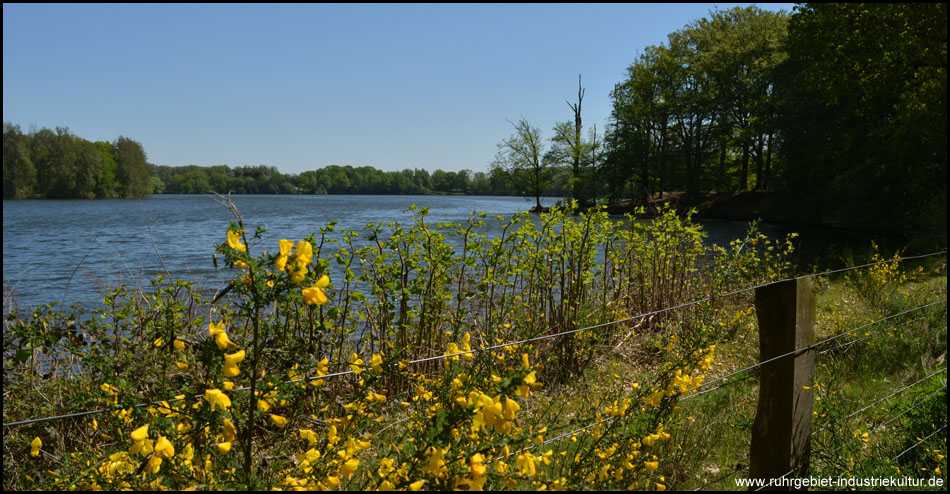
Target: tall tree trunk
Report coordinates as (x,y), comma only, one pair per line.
(577,143)
(537,187)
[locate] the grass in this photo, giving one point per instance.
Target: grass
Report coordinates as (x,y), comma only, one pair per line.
(706,439)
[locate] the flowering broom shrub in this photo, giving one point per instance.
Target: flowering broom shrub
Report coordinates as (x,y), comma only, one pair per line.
(398,360)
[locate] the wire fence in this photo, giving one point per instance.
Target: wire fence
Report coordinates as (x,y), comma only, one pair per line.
(687,394)
(694,392)
(883,425)
(551,336)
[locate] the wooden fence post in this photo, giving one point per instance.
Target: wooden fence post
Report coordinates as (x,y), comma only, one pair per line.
(781,434)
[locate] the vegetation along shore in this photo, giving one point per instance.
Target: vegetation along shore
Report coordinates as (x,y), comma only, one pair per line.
(596,344)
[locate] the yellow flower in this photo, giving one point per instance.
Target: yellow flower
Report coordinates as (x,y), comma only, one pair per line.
(415,486)
(349,467)
(35,447)
(214,329)
(230,363)
(436,461)
(452,349)
(230,432)
(139,434)
(377,364)
(529,382)
(356,364)
(221,339)
(649,440)
(314,294)
(227,385)
(182,365)
(234,240)
(278,420)
(285,247)
(651,465)
(660,487)
(154,463)
(466,340)
(511,406)
(179,345)
(224,448)
(478,465)
(217,399)
(299,275)
(164,448)
(526,464)
(309,435)
(304,254)
(230,370)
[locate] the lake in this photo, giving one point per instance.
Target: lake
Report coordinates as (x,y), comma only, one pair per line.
(72,251)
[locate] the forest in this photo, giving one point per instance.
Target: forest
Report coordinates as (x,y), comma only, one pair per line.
(842,105)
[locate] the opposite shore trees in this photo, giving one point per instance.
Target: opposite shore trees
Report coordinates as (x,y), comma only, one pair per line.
(49,164)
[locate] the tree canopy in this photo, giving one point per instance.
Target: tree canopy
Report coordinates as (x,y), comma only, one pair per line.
(839,109)
(59,165)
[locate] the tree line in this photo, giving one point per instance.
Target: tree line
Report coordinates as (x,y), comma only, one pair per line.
(332,179)
(838,108)
(59,165)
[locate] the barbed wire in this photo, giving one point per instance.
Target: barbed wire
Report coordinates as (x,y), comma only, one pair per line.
(540,338)
(899,391)
(723,385)
(912,407)
(728,383)
(608,419)
(918,443)
(849,343)
(903,258)
(881,426)
(810,347)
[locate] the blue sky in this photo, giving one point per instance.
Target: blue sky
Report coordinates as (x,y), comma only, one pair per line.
(302,86)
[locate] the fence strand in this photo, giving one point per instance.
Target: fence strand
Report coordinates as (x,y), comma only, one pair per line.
(544,337)
(918,443)
(809,347)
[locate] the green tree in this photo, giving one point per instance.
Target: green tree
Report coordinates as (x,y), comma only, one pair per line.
(107,184)
(639,134)
(740,49)
(864,112)
(520,156)
(132,169)
(19,174)
(86,168)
